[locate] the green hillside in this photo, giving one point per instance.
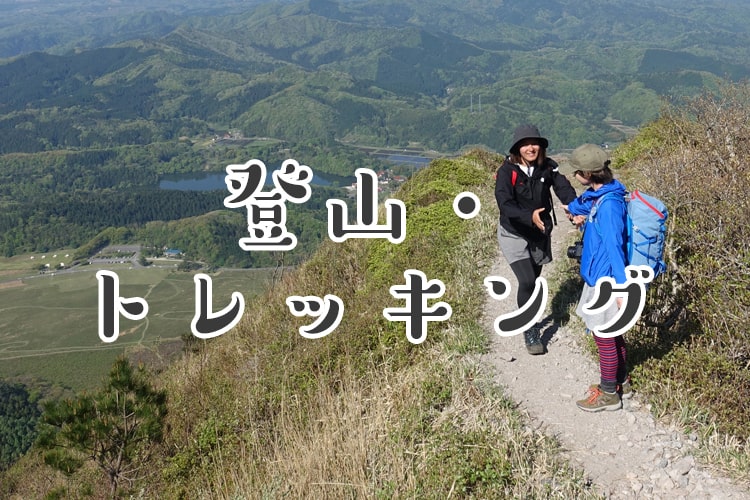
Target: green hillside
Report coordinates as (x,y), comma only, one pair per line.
(351,67)
(100,125)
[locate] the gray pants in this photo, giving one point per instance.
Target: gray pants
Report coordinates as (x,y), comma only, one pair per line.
(514,247)
(517,248)
(593,321)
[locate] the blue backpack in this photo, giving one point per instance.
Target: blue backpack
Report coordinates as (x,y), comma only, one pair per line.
(646,230)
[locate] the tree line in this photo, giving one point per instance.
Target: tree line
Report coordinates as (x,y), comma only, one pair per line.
(19,413)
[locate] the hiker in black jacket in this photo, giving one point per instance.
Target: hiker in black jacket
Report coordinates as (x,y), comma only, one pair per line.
(522,190)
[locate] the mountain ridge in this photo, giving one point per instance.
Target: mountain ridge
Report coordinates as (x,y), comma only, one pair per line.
(319,77)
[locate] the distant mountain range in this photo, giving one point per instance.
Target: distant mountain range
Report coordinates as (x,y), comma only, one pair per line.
(372,71)
(109,97)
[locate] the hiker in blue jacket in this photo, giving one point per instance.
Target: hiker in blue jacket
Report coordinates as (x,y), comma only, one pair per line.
(602,211)
(522,191)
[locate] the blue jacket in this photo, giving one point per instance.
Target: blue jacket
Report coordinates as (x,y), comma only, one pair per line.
(604,233)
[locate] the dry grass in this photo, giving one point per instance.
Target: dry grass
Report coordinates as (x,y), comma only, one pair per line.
(693,349)
(365,441)
(362,413)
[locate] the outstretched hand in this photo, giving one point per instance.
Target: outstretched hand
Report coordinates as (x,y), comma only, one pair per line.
(578,220)
(536,219)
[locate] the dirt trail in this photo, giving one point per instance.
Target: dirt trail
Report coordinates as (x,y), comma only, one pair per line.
(626,453)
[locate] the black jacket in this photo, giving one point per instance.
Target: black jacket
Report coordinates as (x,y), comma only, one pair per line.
(518,201)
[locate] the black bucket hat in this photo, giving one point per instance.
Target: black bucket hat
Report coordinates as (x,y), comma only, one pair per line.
(527,132)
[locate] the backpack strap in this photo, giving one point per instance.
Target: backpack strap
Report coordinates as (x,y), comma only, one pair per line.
(595,209)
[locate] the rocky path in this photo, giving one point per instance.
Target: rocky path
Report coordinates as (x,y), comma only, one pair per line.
(626,454)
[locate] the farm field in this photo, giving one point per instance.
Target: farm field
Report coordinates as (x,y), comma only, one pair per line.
(49,322)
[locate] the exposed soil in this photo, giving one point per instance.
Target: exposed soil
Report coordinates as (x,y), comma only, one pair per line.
(625,453)
(12,284)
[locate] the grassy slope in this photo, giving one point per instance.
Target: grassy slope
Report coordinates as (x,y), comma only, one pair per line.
(262,412)
(362,411)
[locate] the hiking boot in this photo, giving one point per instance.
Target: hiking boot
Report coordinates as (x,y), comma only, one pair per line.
(598,400)
(625,390)
(532,337)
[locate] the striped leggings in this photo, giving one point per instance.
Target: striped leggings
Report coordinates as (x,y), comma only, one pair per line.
(611,362)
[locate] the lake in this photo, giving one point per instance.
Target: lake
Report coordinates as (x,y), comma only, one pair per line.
(213,181)
(418,161)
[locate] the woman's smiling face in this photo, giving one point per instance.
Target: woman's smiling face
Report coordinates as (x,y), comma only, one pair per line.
(529,150)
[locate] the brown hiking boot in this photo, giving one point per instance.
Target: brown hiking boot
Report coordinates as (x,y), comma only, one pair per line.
(625,390)
(598,400)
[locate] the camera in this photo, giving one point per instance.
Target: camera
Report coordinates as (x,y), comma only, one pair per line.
(575,251)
